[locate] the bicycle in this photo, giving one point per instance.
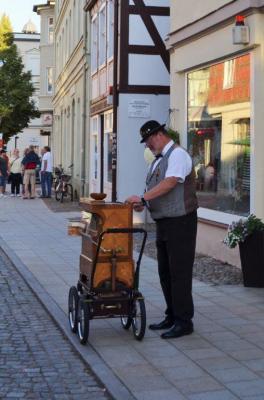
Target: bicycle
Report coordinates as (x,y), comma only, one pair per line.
(63,187)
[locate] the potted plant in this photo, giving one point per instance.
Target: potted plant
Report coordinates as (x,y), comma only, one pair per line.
(248,233)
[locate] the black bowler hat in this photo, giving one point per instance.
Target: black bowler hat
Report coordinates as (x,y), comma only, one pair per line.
(149,128)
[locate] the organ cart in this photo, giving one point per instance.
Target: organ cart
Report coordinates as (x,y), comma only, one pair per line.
(109,277)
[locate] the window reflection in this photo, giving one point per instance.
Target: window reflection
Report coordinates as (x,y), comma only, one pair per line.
(219,134)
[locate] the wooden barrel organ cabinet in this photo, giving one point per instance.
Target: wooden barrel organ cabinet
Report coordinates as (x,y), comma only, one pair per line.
(109,277)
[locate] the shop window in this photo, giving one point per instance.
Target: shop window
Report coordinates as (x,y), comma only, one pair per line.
(219,134)
(109,151)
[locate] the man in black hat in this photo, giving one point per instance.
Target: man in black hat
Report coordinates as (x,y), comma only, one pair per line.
(171,199)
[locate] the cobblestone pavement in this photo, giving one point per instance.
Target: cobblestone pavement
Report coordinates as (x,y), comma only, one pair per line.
(36,361)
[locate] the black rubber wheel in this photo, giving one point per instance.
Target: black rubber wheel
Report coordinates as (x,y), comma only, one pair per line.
(62,194)
(126,322)
(139,318)
(83,320)
(73,301)
(58,192)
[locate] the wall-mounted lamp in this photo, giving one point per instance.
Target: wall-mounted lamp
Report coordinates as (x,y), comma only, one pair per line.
(240,31)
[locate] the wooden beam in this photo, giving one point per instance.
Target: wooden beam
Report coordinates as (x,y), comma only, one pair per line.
(150,10)
(153,32)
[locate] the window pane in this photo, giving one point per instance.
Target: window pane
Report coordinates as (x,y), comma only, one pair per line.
(50,31)
(94,57)
(110,29)
(49,80)
(95,157)
(102,37)
(219,134)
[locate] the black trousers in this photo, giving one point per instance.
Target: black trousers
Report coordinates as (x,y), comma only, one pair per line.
(176,240)
(15,183)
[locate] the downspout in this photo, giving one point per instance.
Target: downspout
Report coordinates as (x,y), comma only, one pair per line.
(115,103)
(84,113)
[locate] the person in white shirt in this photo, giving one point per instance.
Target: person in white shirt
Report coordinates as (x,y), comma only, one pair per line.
(15,173)
(171,199)
(46,172)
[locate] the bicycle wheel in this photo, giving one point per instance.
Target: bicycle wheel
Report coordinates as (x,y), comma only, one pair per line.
(58,192)
(64,192)
(139,318)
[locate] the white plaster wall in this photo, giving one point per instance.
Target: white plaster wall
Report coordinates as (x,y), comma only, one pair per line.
(147,70)
(132,168)
(185,12)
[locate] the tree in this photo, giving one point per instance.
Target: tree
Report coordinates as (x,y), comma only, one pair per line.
(5,31)
(16,105)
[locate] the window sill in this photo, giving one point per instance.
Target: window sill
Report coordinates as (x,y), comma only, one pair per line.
(217,218)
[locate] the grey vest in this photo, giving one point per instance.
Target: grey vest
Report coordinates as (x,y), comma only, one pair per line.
(179,201)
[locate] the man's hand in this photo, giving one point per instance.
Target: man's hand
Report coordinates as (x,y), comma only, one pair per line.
(133,199)
(136,201)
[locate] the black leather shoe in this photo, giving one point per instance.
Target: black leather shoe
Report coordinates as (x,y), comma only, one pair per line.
(165,324)
(178,330)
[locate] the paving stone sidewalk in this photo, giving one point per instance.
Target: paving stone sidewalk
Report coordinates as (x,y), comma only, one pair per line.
(36,360)
(222,360)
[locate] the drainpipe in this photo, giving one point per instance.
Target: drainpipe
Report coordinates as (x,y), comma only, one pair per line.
(85,143)
(115,103)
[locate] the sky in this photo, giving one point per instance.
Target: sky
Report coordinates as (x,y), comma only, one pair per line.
(19,12)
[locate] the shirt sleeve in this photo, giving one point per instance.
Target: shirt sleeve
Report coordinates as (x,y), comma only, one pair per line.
(179,165)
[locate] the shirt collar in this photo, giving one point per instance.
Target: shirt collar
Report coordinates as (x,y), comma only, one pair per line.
(167,147)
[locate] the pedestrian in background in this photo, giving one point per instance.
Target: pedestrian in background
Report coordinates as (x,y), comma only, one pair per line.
(3,172)
(29,163)
(15,176)
(46,172)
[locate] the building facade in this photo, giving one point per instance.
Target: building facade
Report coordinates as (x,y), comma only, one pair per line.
(46,13)
(71,95)
(129,80)
(217,99)
(28,42)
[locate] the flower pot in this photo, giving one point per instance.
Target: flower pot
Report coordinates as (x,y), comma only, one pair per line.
(252,260)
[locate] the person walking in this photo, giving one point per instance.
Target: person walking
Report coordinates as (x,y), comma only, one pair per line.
(46,172)
(3,172)
(15,173)
(29,163)
(171,198)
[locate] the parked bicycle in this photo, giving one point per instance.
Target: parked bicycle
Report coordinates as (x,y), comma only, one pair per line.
(62,185)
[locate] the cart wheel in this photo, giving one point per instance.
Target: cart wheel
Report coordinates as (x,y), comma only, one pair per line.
(139,318)
(79,288)
(126,322)
(83,320)
(73,301)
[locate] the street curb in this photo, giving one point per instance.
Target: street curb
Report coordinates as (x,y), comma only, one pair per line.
(89,355)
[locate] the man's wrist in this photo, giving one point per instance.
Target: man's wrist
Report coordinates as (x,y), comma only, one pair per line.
(143,201)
